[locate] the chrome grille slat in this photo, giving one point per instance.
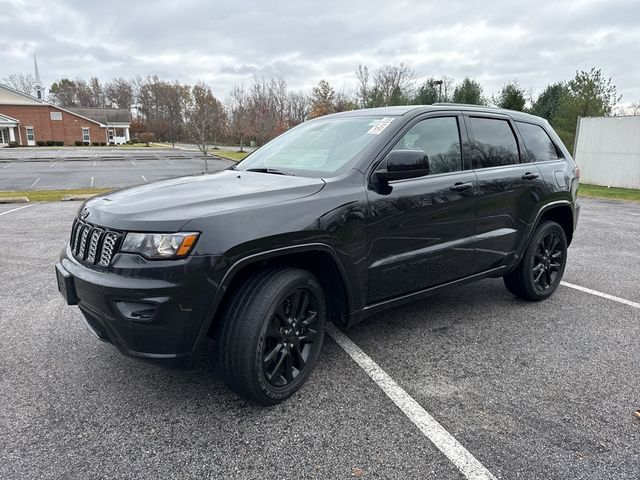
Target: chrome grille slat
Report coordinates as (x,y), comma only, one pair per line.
(92,244)
(94,241)
(76,237)
(108,248)
(82,251)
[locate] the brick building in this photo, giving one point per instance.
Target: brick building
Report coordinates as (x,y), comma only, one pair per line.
(27,120)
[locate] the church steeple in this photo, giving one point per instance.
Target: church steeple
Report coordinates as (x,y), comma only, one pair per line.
(38,83)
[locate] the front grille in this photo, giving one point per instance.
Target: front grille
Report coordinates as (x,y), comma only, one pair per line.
(92,244)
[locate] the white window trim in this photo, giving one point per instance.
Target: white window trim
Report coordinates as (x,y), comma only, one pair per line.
(88,135)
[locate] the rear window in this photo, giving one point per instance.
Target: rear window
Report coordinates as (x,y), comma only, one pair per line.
(493,144)
(538,145)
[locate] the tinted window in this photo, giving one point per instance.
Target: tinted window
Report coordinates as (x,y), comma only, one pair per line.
(493,143)
(439,139)
(539,146)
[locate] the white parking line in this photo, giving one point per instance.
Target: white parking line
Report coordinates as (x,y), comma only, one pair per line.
(144,178)
(7,165)
(601,294)
(470,467)
(169,162)
(133,163)
(94,163)
(19,208)
(92,179)
(53,164)
(34,183)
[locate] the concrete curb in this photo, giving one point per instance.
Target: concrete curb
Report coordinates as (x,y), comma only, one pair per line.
(71,198)
(14,200)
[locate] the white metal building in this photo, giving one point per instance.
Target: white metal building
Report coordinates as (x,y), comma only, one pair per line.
(607,150)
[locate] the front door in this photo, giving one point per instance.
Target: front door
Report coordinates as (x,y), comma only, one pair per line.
(31,136)
(509,192)
(4,136)
(420,231)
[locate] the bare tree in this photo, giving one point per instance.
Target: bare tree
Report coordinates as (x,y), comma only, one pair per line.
(205,119)
(239,115)
(394,84)
(362,74)
(20,82)
(343,101)
(634,108)
(266,104)
(162,106)
(97,93)
(119,93)
(297,108)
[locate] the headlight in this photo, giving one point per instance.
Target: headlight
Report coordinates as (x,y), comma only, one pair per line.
(160,245)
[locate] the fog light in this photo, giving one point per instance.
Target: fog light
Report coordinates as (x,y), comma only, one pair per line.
(139,311)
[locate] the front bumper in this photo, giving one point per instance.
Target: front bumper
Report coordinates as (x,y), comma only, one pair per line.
(147,309)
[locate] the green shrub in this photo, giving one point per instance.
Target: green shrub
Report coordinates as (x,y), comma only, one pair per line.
(50,143)
(86,144)
(95,144)
(103,144)
(41,143)
(59,143)
(78,143)
(13,144)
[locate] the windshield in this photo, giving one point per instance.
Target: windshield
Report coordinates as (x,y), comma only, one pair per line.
(317,148)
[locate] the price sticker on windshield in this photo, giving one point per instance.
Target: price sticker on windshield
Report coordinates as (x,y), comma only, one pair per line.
(379,126)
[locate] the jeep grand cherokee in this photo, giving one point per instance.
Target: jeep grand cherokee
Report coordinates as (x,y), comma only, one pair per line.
(336,219)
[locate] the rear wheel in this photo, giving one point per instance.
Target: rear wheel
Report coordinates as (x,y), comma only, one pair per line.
(541,268)
(272,334)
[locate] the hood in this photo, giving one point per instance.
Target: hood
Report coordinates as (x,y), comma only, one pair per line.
(167,205)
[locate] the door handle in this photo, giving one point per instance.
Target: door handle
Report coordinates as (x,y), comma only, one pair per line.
(530,176)
(460,186)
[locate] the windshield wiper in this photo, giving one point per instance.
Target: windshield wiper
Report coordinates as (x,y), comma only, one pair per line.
(275,171)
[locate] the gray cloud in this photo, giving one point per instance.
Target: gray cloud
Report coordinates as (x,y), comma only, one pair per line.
(226,42)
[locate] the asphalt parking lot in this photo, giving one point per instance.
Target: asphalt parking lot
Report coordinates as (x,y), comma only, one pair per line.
(532,391)
(51,169)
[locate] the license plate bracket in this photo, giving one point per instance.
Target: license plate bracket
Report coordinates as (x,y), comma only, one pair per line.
(66,285)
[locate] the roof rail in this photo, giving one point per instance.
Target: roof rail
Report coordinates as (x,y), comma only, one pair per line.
(447,104)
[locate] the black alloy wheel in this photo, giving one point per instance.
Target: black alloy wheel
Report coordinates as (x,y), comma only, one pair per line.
(548,259)
(290,337)
(540,270)
(272,334)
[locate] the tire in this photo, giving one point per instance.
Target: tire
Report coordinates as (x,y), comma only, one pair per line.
(267,349)
(541,268)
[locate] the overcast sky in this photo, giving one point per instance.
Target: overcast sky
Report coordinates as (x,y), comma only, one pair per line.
(227,42)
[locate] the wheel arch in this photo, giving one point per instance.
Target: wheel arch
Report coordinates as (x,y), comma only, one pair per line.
(319,259)
(561,213)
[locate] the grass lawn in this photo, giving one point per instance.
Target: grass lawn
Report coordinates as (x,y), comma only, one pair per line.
(143,145)
(612,193)
(53,195)
(230,154)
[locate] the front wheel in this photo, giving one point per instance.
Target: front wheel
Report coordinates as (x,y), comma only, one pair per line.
(541,268)
(272,334)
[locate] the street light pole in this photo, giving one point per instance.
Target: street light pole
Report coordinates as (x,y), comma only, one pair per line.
(439,83)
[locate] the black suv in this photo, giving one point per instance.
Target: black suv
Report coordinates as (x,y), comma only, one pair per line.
(341,217)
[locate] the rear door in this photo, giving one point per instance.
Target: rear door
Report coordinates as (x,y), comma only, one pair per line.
(420,230)
(509,191)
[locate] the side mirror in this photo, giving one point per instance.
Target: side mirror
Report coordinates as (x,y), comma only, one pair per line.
(402,164)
